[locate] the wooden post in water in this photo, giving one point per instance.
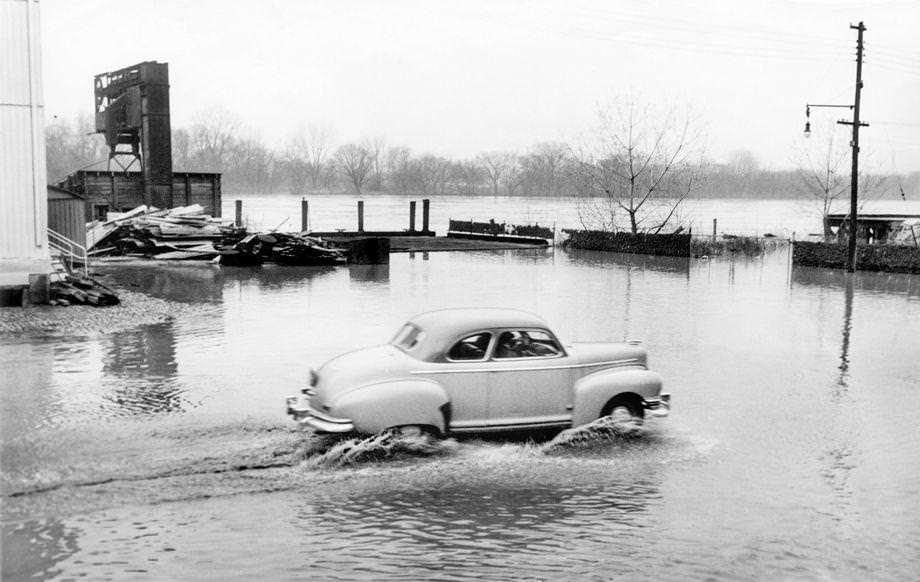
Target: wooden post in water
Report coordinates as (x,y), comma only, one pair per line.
(426,206)
(360,215)
(239,213)
(304,215)
(715,222)
(412,216)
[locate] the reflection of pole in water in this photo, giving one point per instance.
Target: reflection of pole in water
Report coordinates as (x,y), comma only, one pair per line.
(847,327)
(627,303)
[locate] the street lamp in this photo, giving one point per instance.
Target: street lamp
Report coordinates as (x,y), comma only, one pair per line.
(854,144)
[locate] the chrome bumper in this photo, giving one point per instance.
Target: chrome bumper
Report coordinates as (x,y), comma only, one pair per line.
(299,408)
(660,406)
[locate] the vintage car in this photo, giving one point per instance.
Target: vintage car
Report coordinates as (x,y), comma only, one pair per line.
(478,370)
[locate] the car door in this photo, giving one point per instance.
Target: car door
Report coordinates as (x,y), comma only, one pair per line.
(464,374)
(529,386)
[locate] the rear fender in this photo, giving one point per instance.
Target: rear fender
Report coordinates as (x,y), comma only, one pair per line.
(595,390)
(380,406)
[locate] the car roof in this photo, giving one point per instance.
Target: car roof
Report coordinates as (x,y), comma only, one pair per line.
(445,325)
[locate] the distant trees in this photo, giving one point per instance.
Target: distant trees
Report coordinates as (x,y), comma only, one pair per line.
(633,172)
(72,145)
(641,164)
(354,162)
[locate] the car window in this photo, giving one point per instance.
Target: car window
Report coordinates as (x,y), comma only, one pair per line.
(408,336)
(526,344)
(472,347)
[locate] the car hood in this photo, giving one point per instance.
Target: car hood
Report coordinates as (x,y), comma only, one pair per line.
(596,352)
(355,369)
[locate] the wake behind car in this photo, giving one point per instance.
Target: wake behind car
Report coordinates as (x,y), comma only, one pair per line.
(475,371)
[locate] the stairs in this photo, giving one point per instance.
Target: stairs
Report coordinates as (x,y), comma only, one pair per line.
(65,255)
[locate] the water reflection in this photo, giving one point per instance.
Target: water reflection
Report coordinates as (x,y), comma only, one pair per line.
(543,529)
(862,281)
(186,283)
(845,339)
(644,262)
(369,273)
(32,549)
(140,365)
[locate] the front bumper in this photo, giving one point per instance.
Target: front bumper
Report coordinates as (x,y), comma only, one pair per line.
(660,406)
(299,408)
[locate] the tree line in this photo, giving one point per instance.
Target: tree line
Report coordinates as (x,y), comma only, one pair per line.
(635,169)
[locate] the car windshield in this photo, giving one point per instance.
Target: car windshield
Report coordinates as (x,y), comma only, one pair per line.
(408,337)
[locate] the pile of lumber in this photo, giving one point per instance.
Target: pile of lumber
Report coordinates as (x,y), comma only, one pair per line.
(77,290)
(150,231)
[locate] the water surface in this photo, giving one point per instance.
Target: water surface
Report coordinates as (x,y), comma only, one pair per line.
(163,452)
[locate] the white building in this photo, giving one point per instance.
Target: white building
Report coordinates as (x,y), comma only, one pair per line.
(23,190)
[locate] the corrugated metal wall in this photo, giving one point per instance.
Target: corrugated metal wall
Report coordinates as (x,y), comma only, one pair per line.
(23,195)
(67,216)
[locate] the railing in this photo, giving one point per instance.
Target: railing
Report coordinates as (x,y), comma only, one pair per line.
(68,250)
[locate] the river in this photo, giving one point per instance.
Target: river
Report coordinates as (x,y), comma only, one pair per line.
(162,452)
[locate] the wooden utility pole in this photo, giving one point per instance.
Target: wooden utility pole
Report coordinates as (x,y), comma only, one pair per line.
(854,174)
(854,144)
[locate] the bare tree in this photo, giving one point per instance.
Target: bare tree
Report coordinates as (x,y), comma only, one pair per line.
(212,137)
(513,178)
(494,165)
(642,165)
(377,148)
(822,178)
(355,163)
(397,169)
(429,174)
(466,175)
(543,168)
(824,173)
(71,146)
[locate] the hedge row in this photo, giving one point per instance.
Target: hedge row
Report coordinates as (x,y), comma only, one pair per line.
(494,228)
(895,259)
(674,245)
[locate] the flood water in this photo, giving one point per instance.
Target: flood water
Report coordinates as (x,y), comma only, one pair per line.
(162,452)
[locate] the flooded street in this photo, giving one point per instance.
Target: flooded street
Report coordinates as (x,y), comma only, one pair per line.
(162,451)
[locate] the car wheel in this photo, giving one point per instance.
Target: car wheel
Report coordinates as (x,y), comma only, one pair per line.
(623,409)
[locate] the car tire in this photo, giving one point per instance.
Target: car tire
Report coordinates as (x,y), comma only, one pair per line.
(416,430)
(623,408)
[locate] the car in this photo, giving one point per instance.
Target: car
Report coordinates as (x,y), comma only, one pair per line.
(478,370)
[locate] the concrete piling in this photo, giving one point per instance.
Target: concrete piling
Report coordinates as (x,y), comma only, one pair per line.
(412,216)
(360,215)
(239,213)
(304,215)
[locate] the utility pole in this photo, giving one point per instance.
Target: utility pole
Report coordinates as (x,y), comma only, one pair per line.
(854,174)
(854,145)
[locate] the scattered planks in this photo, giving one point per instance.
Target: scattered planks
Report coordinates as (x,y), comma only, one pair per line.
(77,290)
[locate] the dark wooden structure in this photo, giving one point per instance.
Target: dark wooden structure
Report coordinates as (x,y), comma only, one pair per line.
(67,214)
(121,191)
(870,227)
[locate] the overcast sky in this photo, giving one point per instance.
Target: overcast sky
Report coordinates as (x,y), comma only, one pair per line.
(464,77)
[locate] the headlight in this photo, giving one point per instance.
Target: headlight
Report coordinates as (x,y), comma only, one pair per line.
(314,377)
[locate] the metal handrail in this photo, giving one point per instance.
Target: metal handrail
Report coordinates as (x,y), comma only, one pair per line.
(69,249)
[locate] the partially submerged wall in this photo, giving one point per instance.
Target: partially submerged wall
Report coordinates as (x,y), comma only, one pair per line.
(674,245)
(890,258)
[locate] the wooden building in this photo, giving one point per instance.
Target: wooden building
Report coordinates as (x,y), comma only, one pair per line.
(121,191)
(67,214)
(871,227)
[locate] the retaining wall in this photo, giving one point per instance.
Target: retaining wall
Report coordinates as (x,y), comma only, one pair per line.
(890,258)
